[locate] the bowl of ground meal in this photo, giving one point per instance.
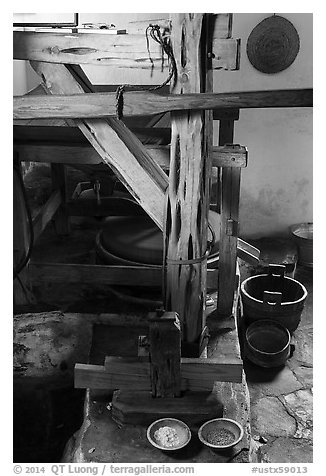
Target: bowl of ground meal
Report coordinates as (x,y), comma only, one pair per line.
(168,434)
(220,433)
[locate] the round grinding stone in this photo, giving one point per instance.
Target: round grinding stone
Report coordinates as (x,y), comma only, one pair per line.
(138,239)
(135,238)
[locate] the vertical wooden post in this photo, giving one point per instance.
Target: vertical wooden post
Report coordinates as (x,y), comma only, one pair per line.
(230,190)
(165,354)
(188,194)
(22,292)
(61,219)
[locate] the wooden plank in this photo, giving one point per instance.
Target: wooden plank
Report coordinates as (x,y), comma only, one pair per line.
(230,189)
(116,144)
(165,354)
(97,377)
(46,214)
(229,156)
(119,51)
(59,154)
(99,105)
(200,374)
(130,407)
(42,273)
(124,373)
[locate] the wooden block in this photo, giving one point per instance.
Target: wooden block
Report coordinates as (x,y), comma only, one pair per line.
(230,156)
(222,25)
(165,354)
(226,54)
(135,407)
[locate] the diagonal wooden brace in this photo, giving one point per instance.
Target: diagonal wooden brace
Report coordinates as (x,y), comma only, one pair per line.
(116,144)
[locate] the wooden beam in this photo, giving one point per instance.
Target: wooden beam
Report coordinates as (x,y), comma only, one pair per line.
(119,51)
(148,103)
(85,154)
(116,144)
(126,372)
(46,213)
(41,273)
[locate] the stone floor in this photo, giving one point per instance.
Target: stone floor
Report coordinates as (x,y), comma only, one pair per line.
(282,399)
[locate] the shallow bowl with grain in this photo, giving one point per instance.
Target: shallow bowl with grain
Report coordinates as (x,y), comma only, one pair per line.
(220,433)
(178,428)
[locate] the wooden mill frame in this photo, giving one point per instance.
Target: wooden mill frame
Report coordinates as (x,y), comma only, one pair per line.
(179,203)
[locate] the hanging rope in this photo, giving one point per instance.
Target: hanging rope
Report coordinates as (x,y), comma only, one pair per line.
(163,39)
(154,31)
